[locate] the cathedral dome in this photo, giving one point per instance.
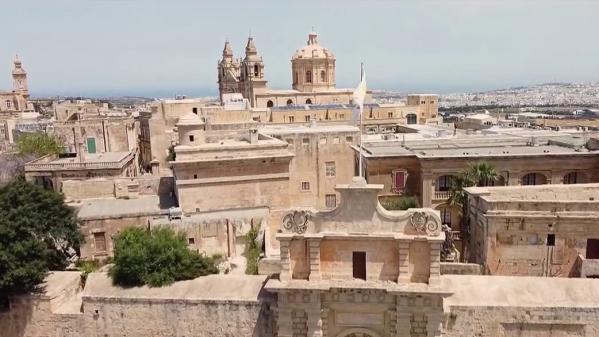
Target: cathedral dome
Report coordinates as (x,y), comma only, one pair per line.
(313,50)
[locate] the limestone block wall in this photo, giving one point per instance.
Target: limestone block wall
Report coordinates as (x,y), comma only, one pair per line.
(382,259)
(522,321)
(130,317)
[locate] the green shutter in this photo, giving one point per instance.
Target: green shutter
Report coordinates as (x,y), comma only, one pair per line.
(91,145)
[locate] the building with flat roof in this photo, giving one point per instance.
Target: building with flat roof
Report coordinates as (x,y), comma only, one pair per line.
(549,230)
(424,164)
(51,171)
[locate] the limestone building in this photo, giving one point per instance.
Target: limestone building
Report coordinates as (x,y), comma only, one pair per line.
(272,167)
(360,270)
(547,230)
(313,77)
(424,164)
(16,99)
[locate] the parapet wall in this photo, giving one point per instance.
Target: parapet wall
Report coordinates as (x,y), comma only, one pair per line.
(522,321)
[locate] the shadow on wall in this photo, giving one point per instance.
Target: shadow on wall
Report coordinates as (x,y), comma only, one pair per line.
(265,325)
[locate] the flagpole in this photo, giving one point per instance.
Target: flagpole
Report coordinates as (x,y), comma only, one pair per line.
(360,168)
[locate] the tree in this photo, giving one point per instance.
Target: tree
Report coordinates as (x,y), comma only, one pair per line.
(477,174)
(39,144)
(252,252)
(157,258)
(38,233)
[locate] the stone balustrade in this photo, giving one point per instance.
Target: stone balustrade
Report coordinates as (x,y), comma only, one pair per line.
(77,165)
(441,195)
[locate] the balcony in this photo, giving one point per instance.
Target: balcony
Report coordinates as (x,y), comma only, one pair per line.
(441,195)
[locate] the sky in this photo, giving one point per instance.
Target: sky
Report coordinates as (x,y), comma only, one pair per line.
(159,48)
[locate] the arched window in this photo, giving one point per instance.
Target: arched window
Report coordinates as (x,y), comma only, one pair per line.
(308,76)
(308,101)
(574,178)
(295,77)
(289,102)
(323,76)
(269,104)
(534,179)
(256,70)
(411,119)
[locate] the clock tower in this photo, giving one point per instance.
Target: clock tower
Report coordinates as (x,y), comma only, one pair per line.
(19,79)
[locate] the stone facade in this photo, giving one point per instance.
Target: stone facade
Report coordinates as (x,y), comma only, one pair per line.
(534,230)
(359,270)
(431,164)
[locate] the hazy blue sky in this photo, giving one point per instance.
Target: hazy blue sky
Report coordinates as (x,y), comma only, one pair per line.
(172,46)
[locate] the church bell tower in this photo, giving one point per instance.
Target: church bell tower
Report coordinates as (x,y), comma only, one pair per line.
(19,79)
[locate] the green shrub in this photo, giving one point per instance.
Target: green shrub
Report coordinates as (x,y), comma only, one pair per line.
(400,203)
(156,258)
(252,252)
(38,144)
(86,267)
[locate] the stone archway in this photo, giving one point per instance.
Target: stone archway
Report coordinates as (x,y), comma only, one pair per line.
(358,332)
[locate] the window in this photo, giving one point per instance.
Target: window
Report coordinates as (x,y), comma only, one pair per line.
(256,70)
(411,119)
(399,178)
(308,76)
(9,104)
(592,251)
(195,110)
(100,242)
(336,140)
(195,176)
(307,118)
(329,168)
(305,185)
(359,265)
(191,241)
(295,77)
(422,102)
(290,141)
(341,116)
(269,104)
(323,140)
(571,178)
(550,239)
(291,119)
(91,145)
(306,141)
(444,183)
(308,101)
(390,114)
(446,216)
(432,102)
(330,200)
(323,76)
(533,179)
(349,139)
(289,102)
(191,138)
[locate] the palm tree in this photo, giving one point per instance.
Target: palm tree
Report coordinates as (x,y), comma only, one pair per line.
(477,174)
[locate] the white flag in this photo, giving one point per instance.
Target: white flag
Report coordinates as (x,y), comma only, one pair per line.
(360,96)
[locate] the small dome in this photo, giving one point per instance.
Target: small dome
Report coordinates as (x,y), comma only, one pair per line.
(190,119)
(313,50)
